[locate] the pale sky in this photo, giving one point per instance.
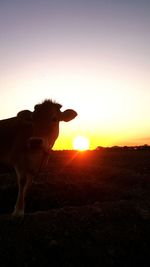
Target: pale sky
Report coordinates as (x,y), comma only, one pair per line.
(92,56)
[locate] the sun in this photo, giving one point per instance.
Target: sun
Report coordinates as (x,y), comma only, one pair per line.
(81,143)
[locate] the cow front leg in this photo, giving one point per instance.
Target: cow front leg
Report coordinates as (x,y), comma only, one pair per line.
(24,181)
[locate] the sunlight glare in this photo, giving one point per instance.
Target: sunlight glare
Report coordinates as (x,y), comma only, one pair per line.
(81,143)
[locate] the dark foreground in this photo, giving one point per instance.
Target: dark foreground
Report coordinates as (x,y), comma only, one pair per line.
(86,209)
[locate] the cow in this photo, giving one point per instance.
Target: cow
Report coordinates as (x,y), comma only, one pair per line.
(26,140)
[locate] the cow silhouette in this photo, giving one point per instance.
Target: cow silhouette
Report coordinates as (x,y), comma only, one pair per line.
(25,142)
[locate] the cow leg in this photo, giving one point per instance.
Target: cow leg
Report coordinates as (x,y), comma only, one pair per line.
(24,180)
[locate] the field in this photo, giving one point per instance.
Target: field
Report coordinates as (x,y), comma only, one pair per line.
(86,209)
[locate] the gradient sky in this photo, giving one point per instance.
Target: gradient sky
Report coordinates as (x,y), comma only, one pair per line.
(92,56)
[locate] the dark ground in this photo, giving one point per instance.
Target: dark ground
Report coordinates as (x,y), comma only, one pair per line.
(86,209)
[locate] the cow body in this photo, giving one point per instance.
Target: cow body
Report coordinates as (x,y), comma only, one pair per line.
(25,141)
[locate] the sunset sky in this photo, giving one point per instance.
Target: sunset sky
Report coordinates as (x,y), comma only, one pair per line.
(92,56)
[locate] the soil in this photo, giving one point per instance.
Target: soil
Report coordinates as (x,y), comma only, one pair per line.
(85,209)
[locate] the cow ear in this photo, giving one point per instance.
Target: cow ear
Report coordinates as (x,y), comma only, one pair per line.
(68,115)
(25,115)
(36,107)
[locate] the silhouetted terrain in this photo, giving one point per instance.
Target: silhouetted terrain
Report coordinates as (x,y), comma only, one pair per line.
(85,209)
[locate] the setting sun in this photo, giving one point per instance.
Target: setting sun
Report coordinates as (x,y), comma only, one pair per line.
(81,143)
